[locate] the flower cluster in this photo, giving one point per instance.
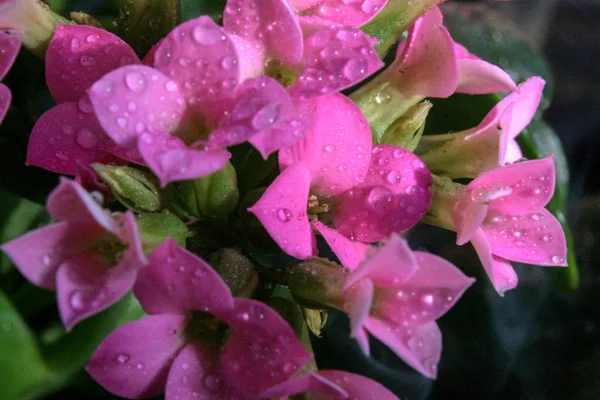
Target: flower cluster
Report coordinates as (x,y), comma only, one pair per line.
(161,141)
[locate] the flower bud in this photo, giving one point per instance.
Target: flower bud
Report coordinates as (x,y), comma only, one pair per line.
(315,320)
(214,195)
(236,270)
(317,284)
(135,189)
(407,130)
(84,19)
(156,228)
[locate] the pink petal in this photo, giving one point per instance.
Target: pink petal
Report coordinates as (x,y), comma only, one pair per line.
(527,102)
(349,13)
(468,217)
(479,77)
(390,265)
(336,149)
(264,115)
(65,136)
(335,59)
(133,256)
(10,44)
(362,339)
(314,383)
(271,24)
(349,252)
(302,5)
(262,350)
(135,99)
(356,386)
(177,281)
(39,253)
(535,238)
(69,201)
(513,152)
(171,160)
(501,273)
(392,198)
(196,374)
(420,346)
(79,55)
(516,189)
(87,178)
(5,100)
(86,285)
(202,57)
(282,210)
(357,304)
(135,359)
(427,62)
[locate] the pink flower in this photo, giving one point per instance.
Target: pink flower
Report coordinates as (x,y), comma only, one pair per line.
(335,173)
(396,295)
(198,341)
(502,213)
(88,257)
(69,133)
(10,43)
(349,13)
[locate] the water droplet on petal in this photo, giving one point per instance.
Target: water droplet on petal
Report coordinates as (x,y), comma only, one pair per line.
(86,139)
(46,260)
(84,105)
(228,62)
(67,129)
(289,367)
(171,86)
(355,68)
(212,382)
(123,358)
(380,197)
(135,81)
(86,60)
(284,215)
(266,116)
(557,259)
(74,44)
(394,177)
(329,148)
(104,88)
(92,38)
(206,36)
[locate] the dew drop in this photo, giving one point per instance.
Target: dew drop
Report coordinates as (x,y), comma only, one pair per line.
(104,88)
(329,148)
(67,129)
(394,177)
(122,122)
(284,215)
(398,153)
(212,382)
(46,260)
(206,36)
(92,38)
(342,167)
(289,367)
(86,60)
(266,116)
(558,259)
(74,44)
(228,63)
(547,238)
(86,139)
(135,81)
(355,68)
(123,358)
(380,197)
(78,301)
(171,86)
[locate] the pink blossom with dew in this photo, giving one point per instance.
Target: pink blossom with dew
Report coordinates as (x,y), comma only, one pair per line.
(396,295)
(10,43)
(354,13)
(368,192)
(69,133)
(179,348)
(502,213)
(88,257)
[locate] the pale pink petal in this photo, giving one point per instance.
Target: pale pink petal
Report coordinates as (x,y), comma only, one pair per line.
(65,136)
(69,201)
(535,238)
(518,188)
(468,216)
(271,24)
(5,100)
(314,383)
(335,59)
(501,273)
(301,5)
(513,152)
(356,386)
(362,339)
(427,65)
(133,256)
(350,253)
(392,198)
(10,44)
(526,104)
(39,253)
(282,210)
(135,99)
(171,160)
(420,346)
(479,77)
(202,57)
(390,265)
(357,304)
(79,55)
(86,285)
(135,359)
(177,281)
(349,13)
(310,24)
(336,150)
(262,350)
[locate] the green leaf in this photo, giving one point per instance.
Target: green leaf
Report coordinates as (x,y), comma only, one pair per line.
(195,8)
(156,228)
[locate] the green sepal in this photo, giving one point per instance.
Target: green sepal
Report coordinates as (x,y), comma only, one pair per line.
(407,130)
(155,228)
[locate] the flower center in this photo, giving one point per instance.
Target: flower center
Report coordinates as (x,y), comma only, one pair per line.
(319,210)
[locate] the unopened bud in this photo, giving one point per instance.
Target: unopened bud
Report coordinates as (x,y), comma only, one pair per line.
(136,189)
(315,320)
(407,130)
(236,270)
(317,284)
(155,228)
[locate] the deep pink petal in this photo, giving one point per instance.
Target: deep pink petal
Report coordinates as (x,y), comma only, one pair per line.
(516,189)
(350,253)
(262,350)
(135,359)
(390,265)
(86,285)
(479,77)
(501,273)
(349,13)
(357,304)
(39,253)
(177,281)
(271,24)
(64,136)
(5,99)
(314,383)
(427,65)
(10,44)
(335,59)
(392,198)
(356,386)
(79,55)
(535,238)
(336,150)
(420,346)
(171,160)
(282,210)
(136,99)
(87,178)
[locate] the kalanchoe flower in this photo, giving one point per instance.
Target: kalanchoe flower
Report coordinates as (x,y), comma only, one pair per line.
(348,13)
(490,144)
(88,257)
(10,43)
(502,213)
(334,173)
(198,341)
(69,133)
